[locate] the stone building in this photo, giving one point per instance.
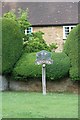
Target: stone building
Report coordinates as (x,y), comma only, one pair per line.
(55,19)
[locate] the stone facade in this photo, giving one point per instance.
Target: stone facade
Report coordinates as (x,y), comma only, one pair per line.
(52,34)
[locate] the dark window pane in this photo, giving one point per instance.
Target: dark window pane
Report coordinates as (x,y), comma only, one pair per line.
(72,27)
(66,27)
(67,30)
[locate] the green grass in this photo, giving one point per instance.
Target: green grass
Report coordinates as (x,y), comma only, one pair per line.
(35,105)
(0,105)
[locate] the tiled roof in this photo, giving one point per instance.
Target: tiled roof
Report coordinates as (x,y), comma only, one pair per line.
(47,13)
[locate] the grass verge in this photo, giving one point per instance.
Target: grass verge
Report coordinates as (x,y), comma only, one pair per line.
(35,105)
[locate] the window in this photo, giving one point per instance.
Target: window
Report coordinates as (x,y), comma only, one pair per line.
(66,31)
(28,30)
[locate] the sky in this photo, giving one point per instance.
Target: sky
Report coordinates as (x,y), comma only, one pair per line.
(39,0)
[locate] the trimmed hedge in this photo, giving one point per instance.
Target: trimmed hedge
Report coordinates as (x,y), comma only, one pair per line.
(0,46)
(11,44)
(26,68)
(72,49)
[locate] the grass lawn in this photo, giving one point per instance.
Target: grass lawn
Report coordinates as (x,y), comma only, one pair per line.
(35,105)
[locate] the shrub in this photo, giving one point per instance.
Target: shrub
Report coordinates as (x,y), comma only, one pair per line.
(35,42)
(26,68)
(21,18)
(72,49)
(11,44)
(0,46)
(60,66)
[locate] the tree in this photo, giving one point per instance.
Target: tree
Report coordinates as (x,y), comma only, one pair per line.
(21,18)
(35,42)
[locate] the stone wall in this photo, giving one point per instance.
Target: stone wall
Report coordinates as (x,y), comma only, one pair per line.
(53,34)
(35,85)
(65,85)
(3,83)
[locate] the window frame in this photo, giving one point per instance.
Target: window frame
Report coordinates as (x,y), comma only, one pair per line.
(64,35)
(27,31)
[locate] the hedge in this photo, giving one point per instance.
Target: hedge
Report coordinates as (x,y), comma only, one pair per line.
(0,46)
(11,44)
(26,67)
(72,49)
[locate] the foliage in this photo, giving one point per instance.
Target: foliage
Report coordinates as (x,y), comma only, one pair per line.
(35,43)
(27,38)
(53,47)
(60,66)
(21,18)
(0,46)
(72,49)
(26,68)
(10,15)
(11,44)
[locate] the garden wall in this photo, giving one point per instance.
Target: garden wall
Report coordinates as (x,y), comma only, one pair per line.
(64,85)
(3,83)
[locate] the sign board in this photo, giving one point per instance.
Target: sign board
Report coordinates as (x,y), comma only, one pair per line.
(43,57)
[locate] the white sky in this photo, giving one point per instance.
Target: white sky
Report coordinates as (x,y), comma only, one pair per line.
(39,0)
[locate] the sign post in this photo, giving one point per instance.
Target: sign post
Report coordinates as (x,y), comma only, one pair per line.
(44,78)
(43,57)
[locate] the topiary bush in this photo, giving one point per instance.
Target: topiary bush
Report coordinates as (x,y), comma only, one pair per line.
(26,68)
(12,44)
(60,66)
(0,46)
(72,49)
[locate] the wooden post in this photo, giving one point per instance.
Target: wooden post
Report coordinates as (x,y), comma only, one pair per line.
(44,79)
